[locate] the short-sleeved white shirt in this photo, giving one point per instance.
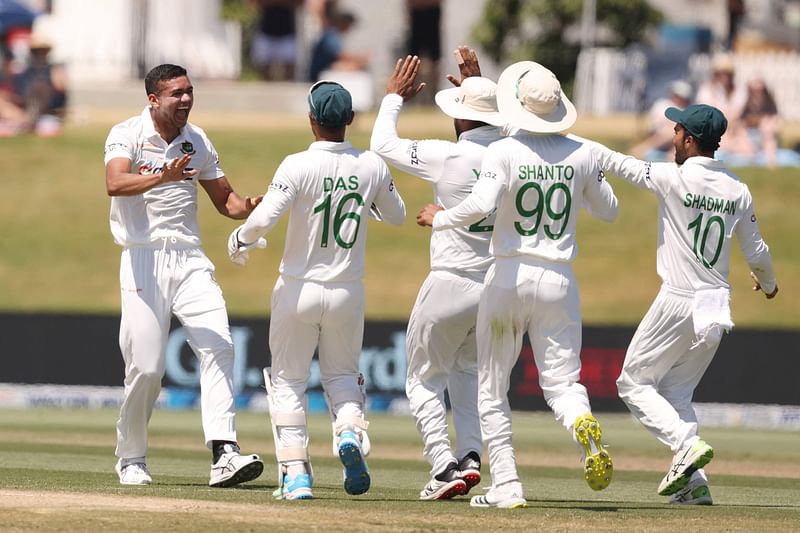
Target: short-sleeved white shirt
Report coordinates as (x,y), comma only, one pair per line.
(167,211)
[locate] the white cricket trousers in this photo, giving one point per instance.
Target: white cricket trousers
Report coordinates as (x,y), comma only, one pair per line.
(156,283)
(305,315)
(443,353)
(663,366)
(541,297)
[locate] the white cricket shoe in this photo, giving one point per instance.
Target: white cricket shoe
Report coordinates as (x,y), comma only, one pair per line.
(233,468)
(133,473)
(506,496)
(693,495)
(684,464)
(470,469)
(445,485)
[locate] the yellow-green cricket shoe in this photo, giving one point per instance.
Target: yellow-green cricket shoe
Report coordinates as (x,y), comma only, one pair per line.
(684,464)
(598,468)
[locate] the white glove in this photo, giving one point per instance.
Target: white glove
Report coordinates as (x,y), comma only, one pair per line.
(238,251)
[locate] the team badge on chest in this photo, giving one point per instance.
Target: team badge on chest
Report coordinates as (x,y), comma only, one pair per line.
(187,148)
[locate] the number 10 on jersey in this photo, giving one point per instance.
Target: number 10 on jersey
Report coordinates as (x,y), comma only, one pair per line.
(341,215)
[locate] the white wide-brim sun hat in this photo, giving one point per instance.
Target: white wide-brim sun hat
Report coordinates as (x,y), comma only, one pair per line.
(475,99)
(529,97)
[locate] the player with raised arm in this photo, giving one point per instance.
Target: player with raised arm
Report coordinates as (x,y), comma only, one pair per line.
(701,206)
(154,163)
(440,341)
(318,300)
(537,180)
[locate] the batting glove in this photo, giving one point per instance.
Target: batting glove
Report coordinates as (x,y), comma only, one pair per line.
(238,251)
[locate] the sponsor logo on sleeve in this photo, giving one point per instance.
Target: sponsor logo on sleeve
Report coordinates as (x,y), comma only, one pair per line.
(278,186)
(413,152)
(111,147)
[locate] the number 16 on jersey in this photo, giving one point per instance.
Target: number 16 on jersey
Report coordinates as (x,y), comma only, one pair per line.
(347,208)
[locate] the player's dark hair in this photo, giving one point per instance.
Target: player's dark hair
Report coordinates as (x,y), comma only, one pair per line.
(706,146)
(161,73)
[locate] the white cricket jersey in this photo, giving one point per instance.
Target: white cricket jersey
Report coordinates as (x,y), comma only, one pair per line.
(168,210)
(331,190)
(538,184)
(701,205)
(452,169)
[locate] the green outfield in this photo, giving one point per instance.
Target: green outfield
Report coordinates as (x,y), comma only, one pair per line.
(56,474)
(56,253)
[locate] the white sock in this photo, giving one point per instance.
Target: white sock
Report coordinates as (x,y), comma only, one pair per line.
(294,468)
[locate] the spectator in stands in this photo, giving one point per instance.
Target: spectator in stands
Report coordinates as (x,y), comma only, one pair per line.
(12,105)
(323,11)
(425,41)
(736,11)
(329,52)
(721,91)
(658,145)
(274,46)
(760,123)
(758,142)
(44,90)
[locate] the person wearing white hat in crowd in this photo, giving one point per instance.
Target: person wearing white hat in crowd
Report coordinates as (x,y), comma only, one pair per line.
(43,88)
(658,145)
(440,342)
(537,180)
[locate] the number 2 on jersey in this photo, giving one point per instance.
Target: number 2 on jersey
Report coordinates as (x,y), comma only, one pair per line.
(339,219)
(480,227)
(700,253)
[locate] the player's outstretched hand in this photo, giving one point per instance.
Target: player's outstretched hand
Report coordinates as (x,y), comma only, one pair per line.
(238,251)
(467,61)
(403,78)
(176,170)
(757,287)
(426,214)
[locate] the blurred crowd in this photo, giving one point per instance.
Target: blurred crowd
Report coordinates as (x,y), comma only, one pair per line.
(274,41)
(33,89)
(754,121)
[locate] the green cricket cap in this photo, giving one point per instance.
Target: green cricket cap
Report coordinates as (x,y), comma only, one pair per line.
(705,123)
(330,104)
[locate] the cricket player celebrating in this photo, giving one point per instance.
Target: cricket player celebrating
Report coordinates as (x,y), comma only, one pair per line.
(701,206)
(537,180)
(440,342)
(318,300)
(154,163)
